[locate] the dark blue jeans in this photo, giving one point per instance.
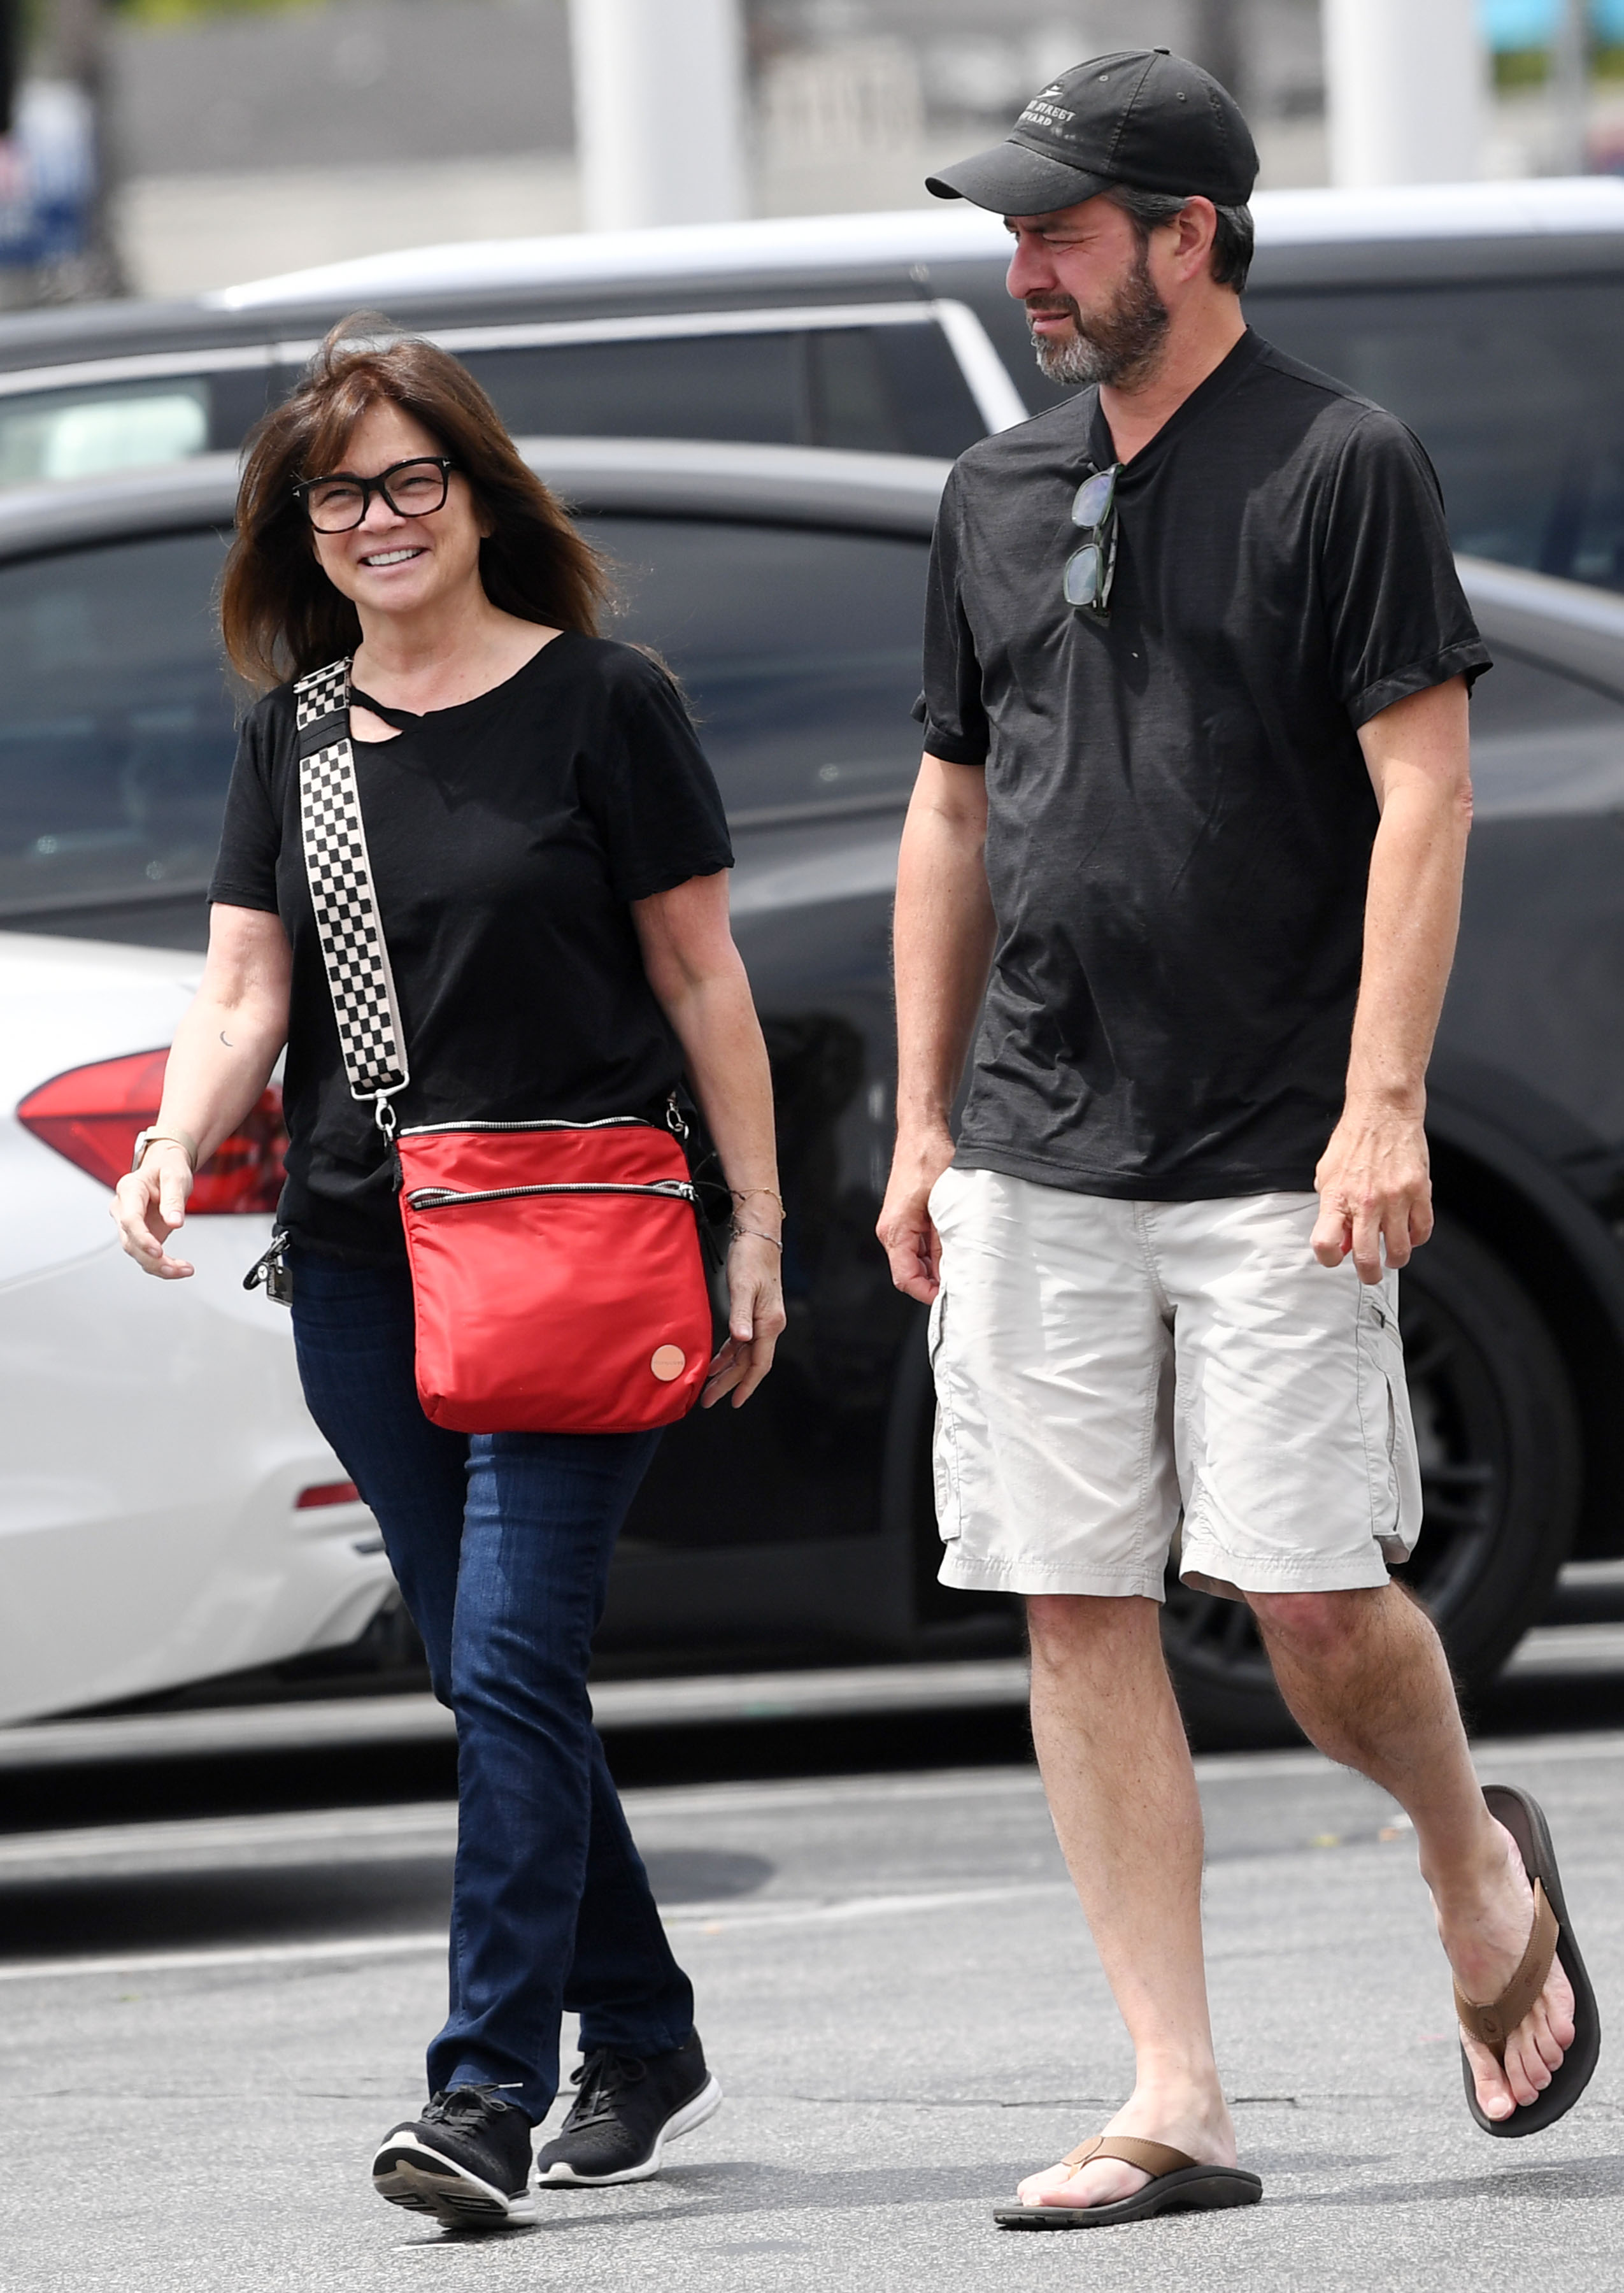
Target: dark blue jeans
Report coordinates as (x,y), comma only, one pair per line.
(501,1544)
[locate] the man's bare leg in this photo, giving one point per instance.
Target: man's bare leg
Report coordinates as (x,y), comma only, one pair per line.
(1366,1680)
(1122,1795)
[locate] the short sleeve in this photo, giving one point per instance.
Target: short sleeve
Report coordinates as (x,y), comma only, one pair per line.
(251,835)
(1397,617)
(656,801)
(949,708)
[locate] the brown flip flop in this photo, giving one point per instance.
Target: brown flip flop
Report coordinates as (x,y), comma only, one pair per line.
(1552,1934)
(1177,2186)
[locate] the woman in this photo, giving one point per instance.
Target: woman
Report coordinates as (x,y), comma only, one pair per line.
(548,851)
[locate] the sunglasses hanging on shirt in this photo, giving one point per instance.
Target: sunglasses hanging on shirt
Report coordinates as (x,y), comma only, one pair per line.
(1091,568)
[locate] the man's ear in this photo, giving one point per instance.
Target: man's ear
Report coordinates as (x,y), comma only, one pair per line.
(1197,224)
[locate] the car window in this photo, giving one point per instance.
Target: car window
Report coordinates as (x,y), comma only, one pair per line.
(799,650)
(92,429)
(116,724)
(884,389)
(1512,388)
(85,433)
(1544,742)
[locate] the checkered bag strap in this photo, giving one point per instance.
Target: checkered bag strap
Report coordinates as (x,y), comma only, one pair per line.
(347,921)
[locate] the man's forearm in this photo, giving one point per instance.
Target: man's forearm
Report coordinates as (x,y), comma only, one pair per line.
(1412,913)
(1373,1180)
(944,933)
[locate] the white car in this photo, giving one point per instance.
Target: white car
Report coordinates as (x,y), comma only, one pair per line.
(167,1509)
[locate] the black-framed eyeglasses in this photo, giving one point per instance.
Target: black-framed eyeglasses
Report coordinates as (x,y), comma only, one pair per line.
(414,488)
(1091,570)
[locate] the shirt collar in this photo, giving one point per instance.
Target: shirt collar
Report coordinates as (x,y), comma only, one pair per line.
(1232,369)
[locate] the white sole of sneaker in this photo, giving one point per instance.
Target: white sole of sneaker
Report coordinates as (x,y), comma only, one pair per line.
(705,2104)
(406,2172)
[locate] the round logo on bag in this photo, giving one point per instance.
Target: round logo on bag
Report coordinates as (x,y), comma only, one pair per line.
(668,1362)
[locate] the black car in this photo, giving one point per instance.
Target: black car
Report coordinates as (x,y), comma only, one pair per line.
(785,586)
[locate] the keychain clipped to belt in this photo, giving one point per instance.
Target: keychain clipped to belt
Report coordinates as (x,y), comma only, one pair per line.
(273,1271)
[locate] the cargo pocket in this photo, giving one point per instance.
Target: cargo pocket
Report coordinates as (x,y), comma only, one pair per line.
(944,1446)
(1389,1431)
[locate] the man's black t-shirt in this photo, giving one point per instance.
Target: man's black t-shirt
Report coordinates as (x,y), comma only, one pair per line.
(1179,815)
(507,837)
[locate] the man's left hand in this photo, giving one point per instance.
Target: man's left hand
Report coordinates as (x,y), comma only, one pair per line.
(1375,1188)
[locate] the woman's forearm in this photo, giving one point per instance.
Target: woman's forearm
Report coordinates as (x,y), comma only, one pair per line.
(231,1035)
(219,1063)
(715,1023)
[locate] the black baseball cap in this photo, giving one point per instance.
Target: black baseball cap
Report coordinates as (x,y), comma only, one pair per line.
(1145,117)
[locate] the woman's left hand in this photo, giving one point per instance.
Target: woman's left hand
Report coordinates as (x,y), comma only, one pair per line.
(756,1317)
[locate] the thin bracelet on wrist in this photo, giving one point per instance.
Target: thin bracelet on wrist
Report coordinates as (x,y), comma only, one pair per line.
(743,1195)
(755,1235)
(154,1138)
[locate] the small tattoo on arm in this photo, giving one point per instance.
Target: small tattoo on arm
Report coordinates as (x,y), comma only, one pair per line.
(226,1040)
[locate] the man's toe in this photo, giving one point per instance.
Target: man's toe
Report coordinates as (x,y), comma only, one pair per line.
(1105,2184)
(1101,2184)
(1528,2073)
(1494,2096)
(1548,2042)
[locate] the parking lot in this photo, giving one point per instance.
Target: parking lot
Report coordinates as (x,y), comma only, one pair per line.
(217,1982)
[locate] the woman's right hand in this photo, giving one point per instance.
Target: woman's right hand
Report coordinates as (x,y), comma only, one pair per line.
(755,1320)
(150,1205)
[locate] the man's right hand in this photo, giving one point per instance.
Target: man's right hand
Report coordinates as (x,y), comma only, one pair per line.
(909,1238)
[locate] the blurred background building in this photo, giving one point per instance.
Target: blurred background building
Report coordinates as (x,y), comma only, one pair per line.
(166,146)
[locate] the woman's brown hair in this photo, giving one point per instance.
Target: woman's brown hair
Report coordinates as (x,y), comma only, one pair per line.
(280,614)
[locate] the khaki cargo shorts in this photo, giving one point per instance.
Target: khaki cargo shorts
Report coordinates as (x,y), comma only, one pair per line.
(1111,1376)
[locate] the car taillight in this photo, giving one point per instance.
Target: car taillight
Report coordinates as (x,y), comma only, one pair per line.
(328,1493)
(92,1114)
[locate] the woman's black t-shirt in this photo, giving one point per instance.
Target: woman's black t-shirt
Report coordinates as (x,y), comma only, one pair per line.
(507,837)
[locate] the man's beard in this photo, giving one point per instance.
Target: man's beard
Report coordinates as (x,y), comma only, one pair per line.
(1118,345)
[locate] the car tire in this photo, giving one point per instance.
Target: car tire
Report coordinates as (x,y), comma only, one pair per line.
(1501,1465)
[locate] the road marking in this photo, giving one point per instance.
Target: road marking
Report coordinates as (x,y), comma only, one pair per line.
(722,1918)
(344,1835)
(427,1830)
(430,1828)
(704,1918)
(190,1962)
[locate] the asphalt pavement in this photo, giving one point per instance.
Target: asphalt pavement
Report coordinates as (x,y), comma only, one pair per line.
(204,2024)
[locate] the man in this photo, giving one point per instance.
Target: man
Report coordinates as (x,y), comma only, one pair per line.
(1191,817)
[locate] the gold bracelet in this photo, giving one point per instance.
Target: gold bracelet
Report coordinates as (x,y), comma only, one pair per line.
(739,1232)
(743,1195)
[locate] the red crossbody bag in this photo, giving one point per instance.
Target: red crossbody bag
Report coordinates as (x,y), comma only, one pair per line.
(558,1279)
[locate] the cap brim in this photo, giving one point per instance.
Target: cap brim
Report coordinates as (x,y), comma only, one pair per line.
(1013,180)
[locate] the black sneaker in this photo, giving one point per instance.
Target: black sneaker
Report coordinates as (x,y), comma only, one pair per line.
(626,2112)
(466,2159)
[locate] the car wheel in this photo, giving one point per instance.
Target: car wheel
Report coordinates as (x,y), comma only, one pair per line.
(1500,1467)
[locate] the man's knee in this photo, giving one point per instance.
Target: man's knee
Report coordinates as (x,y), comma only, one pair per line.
(1313,1625)
(1063,1626)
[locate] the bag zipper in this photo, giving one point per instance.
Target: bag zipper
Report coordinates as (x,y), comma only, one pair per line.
(604,1122)
(435,1198)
